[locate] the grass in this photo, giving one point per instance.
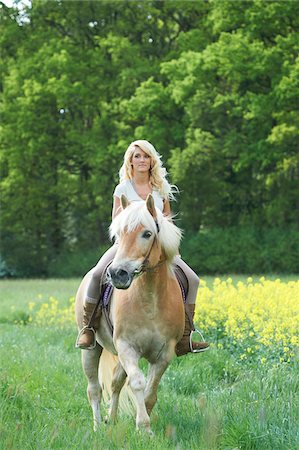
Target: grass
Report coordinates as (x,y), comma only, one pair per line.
(206,401)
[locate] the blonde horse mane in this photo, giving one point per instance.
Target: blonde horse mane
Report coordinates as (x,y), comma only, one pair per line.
(130,218)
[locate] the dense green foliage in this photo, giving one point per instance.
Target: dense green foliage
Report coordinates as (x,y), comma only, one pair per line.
(212,84)
(243,249)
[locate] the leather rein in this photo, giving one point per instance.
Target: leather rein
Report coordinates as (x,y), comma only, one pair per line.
(145,263)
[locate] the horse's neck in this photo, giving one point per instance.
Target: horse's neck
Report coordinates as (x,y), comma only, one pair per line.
(154,284)
(154,293)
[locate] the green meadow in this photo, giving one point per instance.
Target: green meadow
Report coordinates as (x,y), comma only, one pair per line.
(205,401)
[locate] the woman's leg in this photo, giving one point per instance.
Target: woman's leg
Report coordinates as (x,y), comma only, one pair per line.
(183,346)
(93,289)
(85,339)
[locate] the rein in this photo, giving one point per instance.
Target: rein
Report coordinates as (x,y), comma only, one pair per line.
(144,265)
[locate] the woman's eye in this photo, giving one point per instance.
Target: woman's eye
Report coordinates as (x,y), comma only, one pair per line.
(147,234)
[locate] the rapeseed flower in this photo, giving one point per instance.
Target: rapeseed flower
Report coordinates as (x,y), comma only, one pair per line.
(52,313)
(255,320)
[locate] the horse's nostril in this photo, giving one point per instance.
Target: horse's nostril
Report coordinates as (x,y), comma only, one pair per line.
(120,278)
(117,274)
(122,273)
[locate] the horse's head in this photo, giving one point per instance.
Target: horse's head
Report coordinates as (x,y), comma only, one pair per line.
(146,239)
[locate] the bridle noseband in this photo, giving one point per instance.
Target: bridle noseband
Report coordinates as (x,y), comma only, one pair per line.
(144,265)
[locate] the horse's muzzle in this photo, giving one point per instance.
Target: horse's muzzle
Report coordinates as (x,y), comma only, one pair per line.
(120,278)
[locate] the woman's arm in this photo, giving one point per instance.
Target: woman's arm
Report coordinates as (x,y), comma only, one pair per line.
(116,207)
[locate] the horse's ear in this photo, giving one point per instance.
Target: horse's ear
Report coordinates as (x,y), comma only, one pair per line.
(150,204)
(124,201)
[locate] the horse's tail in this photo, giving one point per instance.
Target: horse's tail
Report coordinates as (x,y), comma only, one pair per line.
(108,362)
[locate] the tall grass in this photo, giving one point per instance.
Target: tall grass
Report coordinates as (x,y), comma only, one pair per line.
(206,401)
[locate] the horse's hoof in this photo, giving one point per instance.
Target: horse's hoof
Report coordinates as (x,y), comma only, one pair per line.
(108,419)
(96,427)
(148,431)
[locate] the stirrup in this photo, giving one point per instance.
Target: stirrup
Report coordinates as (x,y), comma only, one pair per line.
(93,345)
(193,350)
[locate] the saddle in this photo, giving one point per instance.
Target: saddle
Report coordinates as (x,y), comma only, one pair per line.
(107,291)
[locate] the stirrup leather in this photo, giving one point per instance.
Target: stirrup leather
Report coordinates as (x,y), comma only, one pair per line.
(194,350)
(93,345)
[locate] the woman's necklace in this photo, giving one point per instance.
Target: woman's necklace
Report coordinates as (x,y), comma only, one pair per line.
(143,191)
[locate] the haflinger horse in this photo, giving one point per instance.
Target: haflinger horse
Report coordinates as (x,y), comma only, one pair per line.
(147,311)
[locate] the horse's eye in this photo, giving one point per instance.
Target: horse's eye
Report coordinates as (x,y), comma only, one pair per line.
(147,234)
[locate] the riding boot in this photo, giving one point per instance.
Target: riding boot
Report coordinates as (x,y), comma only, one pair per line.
(183,346)
(87,335)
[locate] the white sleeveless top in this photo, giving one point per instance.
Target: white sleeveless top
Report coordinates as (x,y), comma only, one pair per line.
(126,187)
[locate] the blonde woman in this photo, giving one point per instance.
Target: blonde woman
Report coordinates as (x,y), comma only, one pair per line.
(142,173)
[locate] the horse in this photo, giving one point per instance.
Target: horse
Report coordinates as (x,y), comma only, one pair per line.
(147,312)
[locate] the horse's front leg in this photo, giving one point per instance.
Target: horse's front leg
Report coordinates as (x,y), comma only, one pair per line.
(155,373)
(129,359)
(90,362)
(119,378)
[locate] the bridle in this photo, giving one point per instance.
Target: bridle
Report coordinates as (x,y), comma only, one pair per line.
(144,267)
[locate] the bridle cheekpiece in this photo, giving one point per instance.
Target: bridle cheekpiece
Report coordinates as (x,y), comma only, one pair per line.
(144,265)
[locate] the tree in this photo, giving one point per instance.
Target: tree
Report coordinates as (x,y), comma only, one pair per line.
(234,92)
(212,84)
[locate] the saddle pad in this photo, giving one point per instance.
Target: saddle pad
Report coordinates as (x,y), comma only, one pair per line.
(107,294)
(183,281)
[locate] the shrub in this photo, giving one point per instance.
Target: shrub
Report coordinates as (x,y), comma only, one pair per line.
(243,250)
(74,264)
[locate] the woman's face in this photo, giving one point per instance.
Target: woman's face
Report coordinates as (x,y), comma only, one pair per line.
(141,161)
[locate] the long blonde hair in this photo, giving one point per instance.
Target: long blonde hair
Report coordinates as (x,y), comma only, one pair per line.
(158,173)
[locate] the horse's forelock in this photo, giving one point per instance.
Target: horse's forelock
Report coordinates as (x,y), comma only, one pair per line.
(134,215)
(130,218)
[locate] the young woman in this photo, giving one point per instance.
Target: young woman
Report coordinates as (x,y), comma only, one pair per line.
(142,173)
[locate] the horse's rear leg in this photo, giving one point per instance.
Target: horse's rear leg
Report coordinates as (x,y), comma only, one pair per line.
(119,378)
(90,362)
